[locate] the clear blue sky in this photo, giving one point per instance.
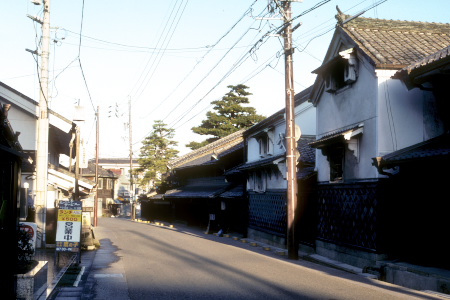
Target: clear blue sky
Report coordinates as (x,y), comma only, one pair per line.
(171,58)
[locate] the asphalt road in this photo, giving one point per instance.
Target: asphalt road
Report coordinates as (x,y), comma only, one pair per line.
(151,262)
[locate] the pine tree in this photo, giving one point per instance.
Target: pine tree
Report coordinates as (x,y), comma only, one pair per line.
(156,151)
(230,116)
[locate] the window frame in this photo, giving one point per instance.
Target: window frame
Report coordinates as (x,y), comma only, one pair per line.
(336,159)
(100,184)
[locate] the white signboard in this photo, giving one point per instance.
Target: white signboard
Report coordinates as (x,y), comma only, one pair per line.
(68,230)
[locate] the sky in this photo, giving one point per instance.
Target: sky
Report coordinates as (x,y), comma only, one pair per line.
(168,60)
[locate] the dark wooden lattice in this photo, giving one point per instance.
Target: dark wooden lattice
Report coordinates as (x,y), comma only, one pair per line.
(348,214)
(267,212)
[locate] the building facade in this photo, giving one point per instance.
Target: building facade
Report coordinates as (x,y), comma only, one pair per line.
(363,114)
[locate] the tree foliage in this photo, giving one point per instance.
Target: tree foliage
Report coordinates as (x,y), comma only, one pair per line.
(229,116)
(156,151)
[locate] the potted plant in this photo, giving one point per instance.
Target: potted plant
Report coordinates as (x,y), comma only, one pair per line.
(31,275)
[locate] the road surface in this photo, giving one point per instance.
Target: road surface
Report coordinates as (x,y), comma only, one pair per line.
(154,262)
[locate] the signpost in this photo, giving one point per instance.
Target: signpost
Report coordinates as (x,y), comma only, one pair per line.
(68,232)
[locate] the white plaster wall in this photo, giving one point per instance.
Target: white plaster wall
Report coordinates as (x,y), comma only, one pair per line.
(305,117)
(403,120)
(276,181)
(348,107)
(26,125)
(18,100)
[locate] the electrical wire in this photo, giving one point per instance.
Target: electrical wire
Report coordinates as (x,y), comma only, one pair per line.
(79,59)
(138,48)
(143,80)
(210,71)
(249,10)
(201,60)
(136,97)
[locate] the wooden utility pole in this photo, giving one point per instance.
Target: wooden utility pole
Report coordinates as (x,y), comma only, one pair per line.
(96,165)
(43,127)
(291,143)
(133,211)
(76,195)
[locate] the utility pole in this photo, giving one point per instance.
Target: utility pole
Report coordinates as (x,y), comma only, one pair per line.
(43,126)
(133,209)
(291,143)
(96,165)
(76,195)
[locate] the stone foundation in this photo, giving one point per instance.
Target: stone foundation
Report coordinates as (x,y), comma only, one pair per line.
(358,258)
(31,285)
(266,238)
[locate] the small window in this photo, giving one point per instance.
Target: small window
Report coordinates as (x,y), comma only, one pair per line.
(100,184)
(262,142)
(266,142)
(342,72)
(259,181)
(109,184)
(336,157)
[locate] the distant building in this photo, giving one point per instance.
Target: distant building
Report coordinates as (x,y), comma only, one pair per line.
(121,168)
(107,181)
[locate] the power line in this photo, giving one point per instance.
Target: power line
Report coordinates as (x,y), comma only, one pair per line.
(139,48)
(249,10)
(79,59)
(160,54)
(210,71)
(201,60)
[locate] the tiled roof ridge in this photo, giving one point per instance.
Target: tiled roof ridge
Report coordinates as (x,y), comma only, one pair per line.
(209,148)
(394,44)
(397,25)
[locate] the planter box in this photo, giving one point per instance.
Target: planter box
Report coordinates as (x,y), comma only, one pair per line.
(32,285)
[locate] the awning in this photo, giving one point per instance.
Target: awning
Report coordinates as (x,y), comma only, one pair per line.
(305,173)
(66,182)
(234,192)
(438,147)
(343,55)
(199,188)
(338,136)
(273,160)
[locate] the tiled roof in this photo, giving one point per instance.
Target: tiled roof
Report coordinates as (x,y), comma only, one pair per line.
(123,161)
(335,136)
(433,148)
(439,60)
(209,187)
(307,153)
(391,43)
(203,154)
(90,171)
(305,173)
(429,60)
(307,156)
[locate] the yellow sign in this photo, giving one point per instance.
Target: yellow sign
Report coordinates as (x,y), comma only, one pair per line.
(69,215)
